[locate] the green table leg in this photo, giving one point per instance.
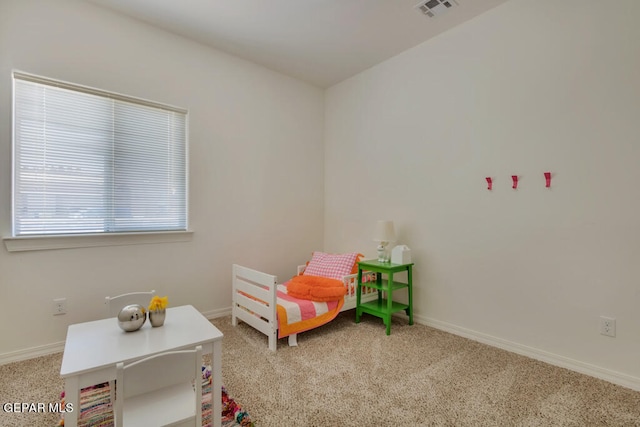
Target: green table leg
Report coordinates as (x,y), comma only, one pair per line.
(389,302)
(409,310)
(358,295)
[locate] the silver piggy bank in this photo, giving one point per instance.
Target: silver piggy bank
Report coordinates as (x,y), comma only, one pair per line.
(132,317)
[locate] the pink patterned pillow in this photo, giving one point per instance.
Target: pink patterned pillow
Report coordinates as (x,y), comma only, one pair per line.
(333,266)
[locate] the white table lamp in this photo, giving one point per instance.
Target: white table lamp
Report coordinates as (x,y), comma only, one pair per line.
(384,234)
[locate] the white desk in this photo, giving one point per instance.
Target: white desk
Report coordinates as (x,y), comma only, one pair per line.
(93,349)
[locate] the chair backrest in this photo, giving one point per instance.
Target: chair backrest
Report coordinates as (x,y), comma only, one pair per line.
(115,304)
(162,389)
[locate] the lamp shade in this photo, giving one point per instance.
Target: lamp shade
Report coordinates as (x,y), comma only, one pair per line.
(384,232)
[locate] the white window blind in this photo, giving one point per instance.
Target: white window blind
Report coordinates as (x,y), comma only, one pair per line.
(88,161)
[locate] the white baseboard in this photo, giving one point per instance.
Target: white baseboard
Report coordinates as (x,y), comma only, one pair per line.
(212,314)
(30,353)
(534,353)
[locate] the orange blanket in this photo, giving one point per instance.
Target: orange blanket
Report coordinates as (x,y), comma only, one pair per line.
(297,315)
(316,288)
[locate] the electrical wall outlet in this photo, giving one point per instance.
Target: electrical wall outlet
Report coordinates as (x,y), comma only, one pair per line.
(608,326)
(59,306)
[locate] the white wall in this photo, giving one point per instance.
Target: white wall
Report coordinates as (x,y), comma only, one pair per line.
(528,87)
(256,167)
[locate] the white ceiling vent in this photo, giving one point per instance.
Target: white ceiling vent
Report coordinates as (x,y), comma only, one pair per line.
(433,8)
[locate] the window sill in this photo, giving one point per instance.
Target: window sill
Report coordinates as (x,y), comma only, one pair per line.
(68,241)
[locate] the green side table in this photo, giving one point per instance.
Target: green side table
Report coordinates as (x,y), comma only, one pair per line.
(384,307)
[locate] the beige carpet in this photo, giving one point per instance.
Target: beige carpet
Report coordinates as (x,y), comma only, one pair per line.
(345,374)
(32,381)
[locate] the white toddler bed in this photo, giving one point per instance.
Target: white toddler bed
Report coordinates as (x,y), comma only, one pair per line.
(257,298)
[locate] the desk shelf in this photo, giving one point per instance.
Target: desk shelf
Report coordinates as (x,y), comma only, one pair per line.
(381,308)
(384,285)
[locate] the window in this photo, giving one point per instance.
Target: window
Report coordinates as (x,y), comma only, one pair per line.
(88,161)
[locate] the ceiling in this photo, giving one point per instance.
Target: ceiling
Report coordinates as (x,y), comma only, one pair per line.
(321,42)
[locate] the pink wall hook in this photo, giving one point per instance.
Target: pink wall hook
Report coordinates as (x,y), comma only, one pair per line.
(490,182)
(547,177)
(515,181)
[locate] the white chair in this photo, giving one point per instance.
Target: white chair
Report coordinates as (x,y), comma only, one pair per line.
(161,390)
(115,304)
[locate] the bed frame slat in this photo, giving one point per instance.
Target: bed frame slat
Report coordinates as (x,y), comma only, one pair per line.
(253,305)
(255,322)
(253,290)
(250,275)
